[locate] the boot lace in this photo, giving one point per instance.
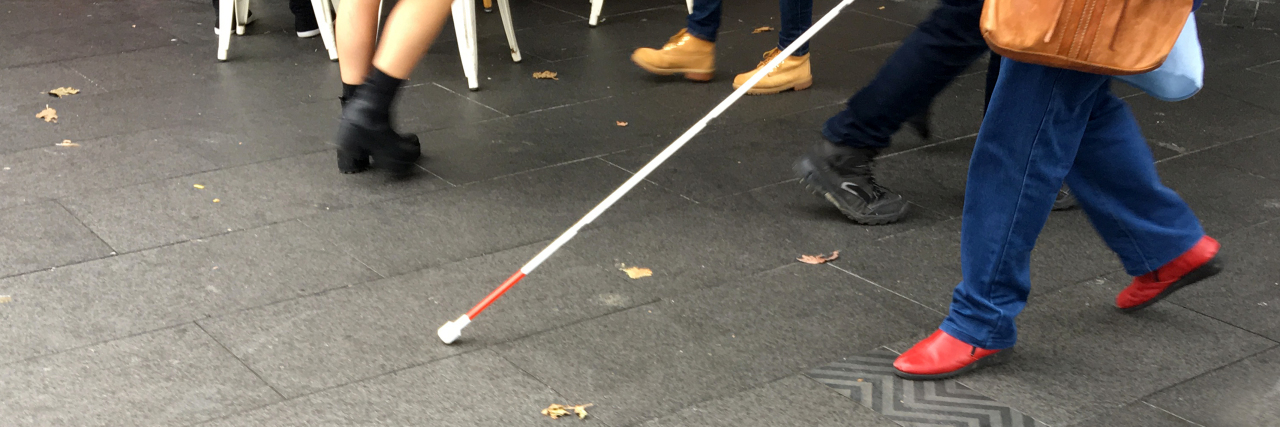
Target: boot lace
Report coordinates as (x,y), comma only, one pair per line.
(768,56)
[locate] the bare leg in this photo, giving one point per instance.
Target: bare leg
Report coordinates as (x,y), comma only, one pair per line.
(410,29)
(365,129)
(356,27)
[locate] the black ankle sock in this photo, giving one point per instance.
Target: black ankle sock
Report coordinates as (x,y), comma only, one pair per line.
(348,91)
(380,89)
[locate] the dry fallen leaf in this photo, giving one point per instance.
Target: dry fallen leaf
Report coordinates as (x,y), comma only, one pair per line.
(622,124)
(542,75)
(48,114)
(5,299)
(63,91)
(555,411)
(818,259)
(217,200)
(67,143)
(881,7)
(761,30)
(581,410)
(198,186)
(637,272)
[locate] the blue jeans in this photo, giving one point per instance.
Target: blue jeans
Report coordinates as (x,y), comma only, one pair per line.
(941,48)
(1045,125)
(796,17)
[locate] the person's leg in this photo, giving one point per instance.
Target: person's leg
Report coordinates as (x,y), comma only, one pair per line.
(840,170)
(692,51)
(941,48)
(796,17)
(365,129)
(993,74)
(1026,146)
(355,28)
(704,21)
(304,18)
(1156,235)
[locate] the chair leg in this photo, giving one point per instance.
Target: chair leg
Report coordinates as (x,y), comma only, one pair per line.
(242,16)
(689,4)
(226,10)
(324,17)
(465,48)
(488,6)
(504,9)
(596,5)
(473,81)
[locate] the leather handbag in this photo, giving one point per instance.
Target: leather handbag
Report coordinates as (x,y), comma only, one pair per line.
(1112,37)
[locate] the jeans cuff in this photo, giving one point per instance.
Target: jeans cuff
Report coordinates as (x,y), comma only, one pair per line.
(953,327)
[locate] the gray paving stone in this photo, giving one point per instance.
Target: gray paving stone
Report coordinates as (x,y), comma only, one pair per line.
(115,297)
(793,400)
(653,359)
(88,39)
(309,344)
(163,212)
(147,67)
(1247,293)
(1205,120)
(477,389)
(1242,394)
(924,264)
(85,117)
(1225,198)
(254,137)
(44,235)
(1137,414)
(411,233)
(24,85)
(22,16)
(95,165)
(174,376)
(1077,355)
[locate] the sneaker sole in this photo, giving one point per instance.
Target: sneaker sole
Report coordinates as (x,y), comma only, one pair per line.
(695,75)
(774,90)
(1209,269)
(992,360)
(308,34)
(807,170)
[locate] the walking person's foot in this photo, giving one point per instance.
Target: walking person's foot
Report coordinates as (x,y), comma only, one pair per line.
(1196,264)
(792,74)
(942,356)
(1065,200)
(682,54)
(364,132)
(842,175)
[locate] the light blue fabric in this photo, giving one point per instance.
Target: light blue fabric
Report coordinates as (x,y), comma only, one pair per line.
(1181,75)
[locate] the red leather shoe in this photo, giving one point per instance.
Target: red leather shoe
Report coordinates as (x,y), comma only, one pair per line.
(1196,264)
(941,356)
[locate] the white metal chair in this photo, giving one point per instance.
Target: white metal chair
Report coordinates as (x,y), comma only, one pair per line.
(239,11)
(596,5)
(464,27)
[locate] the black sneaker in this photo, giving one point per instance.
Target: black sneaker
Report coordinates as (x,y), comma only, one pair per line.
(1065,200)
(843,176)
(306,25)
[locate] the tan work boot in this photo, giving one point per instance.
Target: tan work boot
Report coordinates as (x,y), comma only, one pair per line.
(683,53)
(792,73)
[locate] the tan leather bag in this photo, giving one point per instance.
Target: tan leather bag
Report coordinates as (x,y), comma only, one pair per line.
(1112,37)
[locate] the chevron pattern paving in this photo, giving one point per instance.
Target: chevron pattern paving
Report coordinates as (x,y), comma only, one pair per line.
(869,380)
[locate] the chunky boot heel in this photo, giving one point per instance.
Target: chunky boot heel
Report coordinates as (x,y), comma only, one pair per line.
(352,161)
(364,131)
